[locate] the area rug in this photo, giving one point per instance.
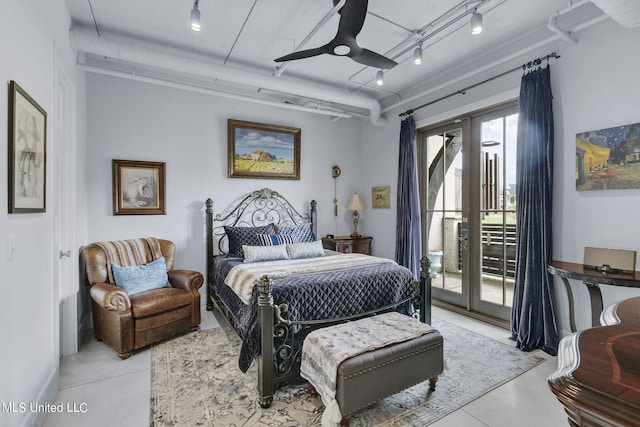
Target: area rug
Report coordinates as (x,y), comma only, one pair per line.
(195,381)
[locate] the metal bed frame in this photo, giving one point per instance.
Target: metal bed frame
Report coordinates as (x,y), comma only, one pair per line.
(277,333)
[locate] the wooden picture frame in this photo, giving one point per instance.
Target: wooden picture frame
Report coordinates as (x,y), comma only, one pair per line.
(380,197)
(27,152)
(138,187)
(259,150)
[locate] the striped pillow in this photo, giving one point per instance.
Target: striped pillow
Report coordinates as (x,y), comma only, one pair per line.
(276,239)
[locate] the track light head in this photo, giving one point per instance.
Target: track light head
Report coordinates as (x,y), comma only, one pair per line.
(380,78)
(417,55)
(476,22)
(195,17)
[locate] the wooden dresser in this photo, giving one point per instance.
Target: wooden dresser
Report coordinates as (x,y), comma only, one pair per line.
(598,376)
(348,244)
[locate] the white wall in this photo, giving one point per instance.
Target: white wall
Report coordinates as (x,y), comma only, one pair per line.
(595,85)
(187,130)
(33,36)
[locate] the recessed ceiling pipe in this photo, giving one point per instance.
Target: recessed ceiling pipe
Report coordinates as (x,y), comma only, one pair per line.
(192,88)
(84,41)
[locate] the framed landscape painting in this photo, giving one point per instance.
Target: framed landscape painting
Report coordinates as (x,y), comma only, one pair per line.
(27,152)
(258,150)
(138,187)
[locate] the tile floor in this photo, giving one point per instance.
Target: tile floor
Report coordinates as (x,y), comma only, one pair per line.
(116,392)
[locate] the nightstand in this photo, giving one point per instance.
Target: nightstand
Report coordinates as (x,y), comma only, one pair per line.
(348,244)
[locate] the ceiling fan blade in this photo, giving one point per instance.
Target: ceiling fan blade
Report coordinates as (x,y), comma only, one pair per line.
(368,57)
(352,17)
(301,54)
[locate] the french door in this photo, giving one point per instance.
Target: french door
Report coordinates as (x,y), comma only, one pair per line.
(467,188)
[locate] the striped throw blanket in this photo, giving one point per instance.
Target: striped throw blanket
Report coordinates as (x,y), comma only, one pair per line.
(130,252)
(243,277)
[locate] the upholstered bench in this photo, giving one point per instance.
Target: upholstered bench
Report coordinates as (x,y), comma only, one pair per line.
(374,357)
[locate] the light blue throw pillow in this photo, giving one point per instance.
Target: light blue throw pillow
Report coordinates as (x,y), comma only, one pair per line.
(264,253)
(305,250)
(136,279)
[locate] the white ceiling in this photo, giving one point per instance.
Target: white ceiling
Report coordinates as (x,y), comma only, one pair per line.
(247,35)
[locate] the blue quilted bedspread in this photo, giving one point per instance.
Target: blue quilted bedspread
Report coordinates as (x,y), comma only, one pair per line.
(313,296)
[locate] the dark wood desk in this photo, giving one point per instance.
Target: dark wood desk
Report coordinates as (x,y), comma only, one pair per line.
(598,376)
(592,279)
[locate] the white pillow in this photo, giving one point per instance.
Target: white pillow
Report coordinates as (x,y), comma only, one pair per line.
(264,253)
(305,250)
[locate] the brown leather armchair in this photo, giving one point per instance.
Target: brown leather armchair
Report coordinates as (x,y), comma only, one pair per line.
(130,322)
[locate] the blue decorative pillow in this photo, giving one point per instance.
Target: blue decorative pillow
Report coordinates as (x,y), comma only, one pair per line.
(305,250)
(276,239)
(136,279)
(264,253)
(239,236)
(304,232)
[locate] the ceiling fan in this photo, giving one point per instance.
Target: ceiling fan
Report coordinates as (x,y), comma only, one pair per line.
(352,17)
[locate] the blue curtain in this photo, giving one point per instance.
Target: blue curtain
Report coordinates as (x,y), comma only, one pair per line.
(408,232)
(533,323)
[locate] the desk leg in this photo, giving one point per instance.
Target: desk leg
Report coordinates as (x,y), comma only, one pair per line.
(595,295)
(572,317)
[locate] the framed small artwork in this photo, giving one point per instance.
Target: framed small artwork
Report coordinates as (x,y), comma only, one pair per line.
(138,187)
(27,152)
(608,159)
(380,197)
(258,150)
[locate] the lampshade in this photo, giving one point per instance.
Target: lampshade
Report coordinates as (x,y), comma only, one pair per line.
(476,22)
(380,77)
(355,203)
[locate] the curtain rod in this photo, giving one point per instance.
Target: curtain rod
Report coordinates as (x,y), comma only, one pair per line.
(529,64)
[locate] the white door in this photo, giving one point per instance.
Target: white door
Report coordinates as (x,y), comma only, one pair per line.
(65,252)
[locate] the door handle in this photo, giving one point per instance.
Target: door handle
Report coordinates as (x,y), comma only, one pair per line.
(65,254)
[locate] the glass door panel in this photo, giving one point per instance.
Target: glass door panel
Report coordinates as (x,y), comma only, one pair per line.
(497,212)
(441,150)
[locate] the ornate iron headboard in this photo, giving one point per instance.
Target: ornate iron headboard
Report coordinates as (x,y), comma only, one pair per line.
(260,207)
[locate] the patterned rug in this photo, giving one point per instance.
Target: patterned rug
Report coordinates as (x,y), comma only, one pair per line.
(195,381)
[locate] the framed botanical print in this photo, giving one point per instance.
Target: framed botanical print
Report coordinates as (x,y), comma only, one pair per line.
(380,197)
(27,152)
(138,187)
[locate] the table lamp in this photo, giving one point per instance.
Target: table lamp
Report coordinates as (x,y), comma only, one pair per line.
(355,204)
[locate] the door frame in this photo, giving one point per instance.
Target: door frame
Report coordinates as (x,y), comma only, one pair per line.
(471,258)
(66,276)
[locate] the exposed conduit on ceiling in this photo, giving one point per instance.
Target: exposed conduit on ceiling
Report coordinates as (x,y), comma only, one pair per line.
(504,59)
(84,41)
(624,12)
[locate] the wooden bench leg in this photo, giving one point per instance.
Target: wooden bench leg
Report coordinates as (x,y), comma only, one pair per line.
(432,383)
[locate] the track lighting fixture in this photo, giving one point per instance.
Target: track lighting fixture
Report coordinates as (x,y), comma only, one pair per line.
(195,17)
(380,78)
(476,22)
(417,55)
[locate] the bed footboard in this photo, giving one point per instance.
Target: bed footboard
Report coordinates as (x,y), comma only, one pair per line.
(282,364)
